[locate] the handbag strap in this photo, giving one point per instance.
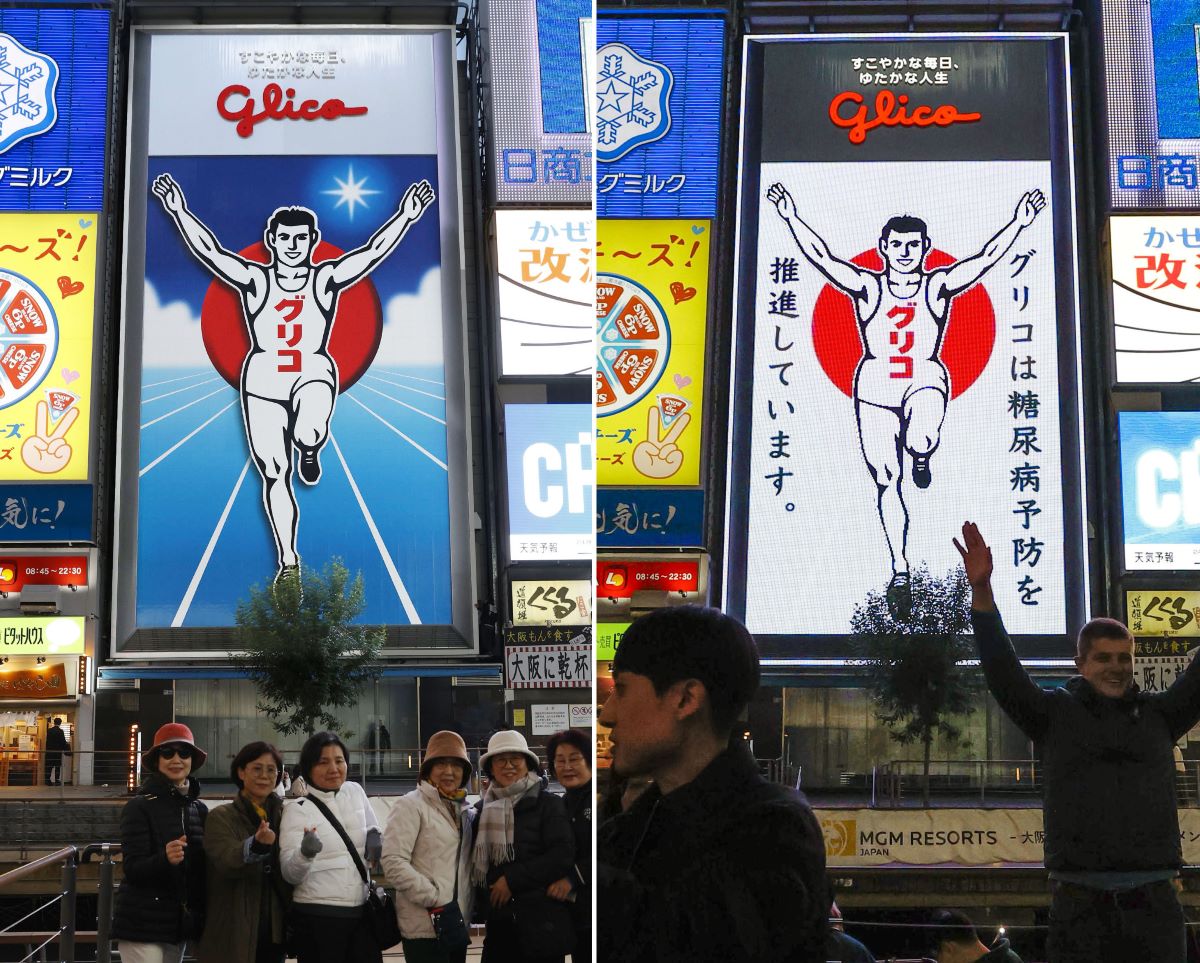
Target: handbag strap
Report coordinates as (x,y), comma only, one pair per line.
(332,819)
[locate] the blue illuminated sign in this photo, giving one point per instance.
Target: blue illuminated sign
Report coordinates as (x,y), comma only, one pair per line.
(45,513)
(658,116)
(551,475)
(650,518)
(560,64)
(1173,27)
(1160,489)
(53,115)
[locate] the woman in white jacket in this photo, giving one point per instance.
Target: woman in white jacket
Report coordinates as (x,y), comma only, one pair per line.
(427,848)
(329,899)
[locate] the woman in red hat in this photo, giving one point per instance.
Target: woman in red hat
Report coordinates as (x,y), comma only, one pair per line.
(160,904)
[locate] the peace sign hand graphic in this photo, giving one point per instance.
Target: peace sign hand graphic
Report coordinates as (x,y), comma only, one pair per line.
(658,456)
(48,451)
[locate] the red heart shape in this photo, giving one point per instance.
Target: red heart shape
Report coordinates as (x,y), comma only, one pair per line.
(680,293)
(67,287)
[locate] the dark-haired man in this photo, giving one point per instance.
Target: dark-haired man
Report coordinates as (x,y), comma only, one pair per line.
(901,387)
(712,861)
(289,381)
(955,940)
(1112,828)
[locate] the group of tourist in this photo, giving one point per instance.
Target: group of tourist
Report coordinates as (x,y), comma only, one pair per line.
(278,878)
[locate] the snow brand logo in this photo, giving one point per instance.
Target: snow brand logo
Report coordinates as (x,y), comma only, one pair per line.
(632,101)
(27,82)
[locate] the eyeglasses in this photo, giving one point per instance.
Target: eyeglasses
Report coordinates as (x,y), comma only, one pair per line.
(170,752)
(509,762)
(263,771)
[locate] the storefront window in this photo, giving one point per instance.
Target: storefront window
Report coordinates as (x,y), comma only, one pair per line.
(223,715)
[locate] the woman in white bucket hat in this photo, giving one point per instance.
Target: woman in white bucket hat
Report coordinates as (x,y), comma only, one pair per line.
(523,844)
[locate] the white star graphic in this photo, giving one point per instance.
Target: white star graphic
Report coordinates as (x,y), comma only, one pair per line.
(610,97)
(350,192)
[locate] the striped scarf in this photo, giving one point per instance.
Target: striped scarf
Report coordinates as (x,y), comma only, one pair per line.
(494,832)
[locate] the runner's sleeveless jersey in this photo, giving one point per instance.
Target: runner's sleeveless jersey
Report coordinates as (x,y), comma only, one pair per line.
(902,339)
(289,337)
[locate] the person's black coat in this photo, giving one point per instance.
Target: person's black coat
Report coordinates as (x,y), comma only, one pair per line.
(1102,759)
(728,867)
(579,811)
(158,902)
(56,741)
(543,848)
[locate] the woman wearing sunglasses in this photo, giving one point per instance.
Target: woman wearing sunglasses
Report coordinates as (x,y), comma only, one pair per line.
(160,904)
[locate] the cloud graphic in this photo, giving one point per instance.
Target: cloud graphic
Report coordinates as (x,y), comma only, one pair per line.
(412,325)
(171,337)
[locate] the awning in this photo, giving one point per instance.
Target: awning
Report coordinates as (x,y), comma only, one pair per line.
(226,672)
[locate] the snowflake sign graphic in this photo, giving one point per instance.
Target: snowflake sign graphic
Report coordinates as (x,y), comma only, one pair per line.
(27,82)
(632,101)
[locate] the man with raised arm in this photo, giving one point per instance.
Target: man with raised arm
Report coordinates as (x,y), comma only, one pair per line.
(1112,830)
(289,382)
(901,388)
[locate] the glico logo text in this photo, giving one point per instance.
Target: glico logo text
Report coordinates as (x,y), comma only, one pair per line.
(277,104)
(890,110)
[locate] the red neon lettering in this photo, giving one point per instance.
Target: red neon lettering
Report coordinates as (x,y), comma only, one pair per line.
(891,111)
(277,104)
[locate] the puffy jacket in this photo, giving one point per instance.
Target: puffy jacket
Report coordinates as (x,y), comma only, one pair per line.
(245,895)
(579,802)
(425,836)
(727,867)
(1102,759)
(330,878)
(158,902)
(543,848)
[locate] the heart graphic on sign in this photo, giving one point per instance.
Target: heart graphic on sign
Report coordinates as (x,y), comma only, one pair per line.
(682,381)
(68,375)
(697,228)
(83,223)
(680,293)
(67,287)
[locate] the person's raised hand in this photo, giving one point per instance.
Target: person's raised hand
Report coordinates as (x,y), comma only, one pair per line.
(311,844)
(176,849)
(1029,207)
(167,191)
(265,834)
(778,195)
(976,556)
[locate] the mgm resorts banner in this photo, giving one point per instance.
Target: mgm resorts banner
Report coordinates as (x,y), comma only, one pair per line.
(905,331)
(964,837)
(293,387)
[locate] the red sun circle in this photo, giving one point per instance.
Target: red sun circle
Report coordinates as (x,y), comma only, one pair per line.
(357,323)
(966,344)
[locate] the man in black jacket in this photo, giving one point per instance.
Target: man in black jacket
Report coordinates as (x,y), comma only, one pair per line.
(1112,829)
(712,862)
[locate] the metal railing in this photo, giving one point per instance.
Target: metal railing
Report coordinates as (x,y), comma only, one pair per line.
(65,934)
(980,780)
(989,781)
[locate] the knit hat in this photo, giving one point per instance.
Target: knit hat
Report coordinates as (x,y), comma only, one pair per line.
(176,733)
(509,740)
(446,745)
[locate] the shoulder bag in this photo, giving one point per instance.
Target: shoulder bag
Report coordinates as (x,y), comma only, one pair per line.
(380,912)
(448,922)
